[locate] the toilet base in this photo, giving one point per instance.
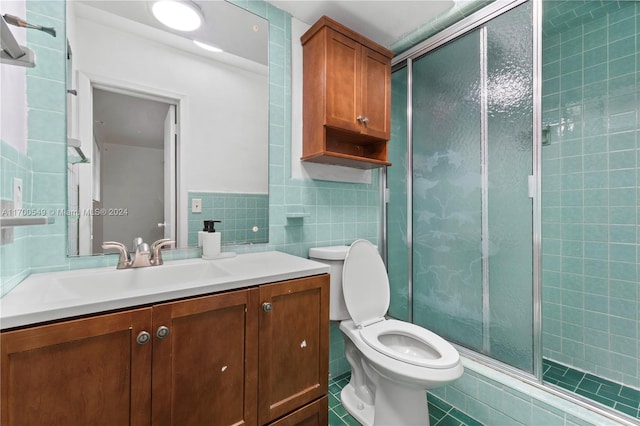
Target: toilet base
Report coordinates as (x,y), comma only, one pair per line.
(358,409)
(394,405)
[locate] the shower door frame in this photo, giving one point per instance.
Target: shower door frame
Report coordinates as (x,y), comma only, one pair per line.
(473,22)
(405,59)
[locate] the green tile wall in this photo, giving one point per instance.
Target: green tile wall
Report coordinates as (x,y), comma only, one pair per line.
(14,265)
(238,213)
(493,398)
(591,193)
(43,168)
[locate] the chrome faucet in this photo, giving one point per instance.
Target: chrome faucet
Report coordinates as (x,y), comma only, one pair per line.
(143,256)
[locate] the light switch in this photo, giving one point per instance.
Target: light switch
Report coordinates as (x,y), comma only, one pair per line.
(196,205)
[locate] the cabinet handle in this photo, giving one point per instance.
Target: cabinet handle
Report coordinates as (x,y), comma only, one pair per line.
(143,338)
(162,332)
(365,120)
(359,118)
(266,306)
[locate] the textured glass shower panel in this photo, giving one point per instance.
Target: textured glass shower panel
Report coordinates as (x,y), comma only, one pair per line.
(397,242)
(447,256)
(472,252)
(510,210)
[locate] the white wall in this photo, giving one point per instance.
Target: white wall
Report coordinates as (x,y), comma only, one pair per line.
(221,102)
(13,88)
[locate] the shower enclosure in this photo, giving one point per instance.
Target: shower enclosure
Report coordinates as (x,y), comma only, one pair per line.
(513,208)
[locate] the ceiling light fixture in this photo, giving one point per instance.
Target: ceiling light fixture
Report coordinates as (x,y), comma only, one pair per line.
(207,46)
(181,15)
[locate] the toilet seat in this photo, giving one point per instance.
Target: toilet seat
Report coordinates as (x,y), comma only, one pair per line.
(365,284)
(410,343)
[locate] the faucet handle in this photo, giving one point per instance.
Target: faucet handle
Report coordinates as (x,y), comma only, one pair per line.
(156,254)
(124,258)
(161,241)
(137,241)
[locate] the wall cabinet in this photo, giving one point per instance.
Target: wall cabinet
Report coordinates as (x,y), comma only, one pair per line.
(346,97)
(188,362)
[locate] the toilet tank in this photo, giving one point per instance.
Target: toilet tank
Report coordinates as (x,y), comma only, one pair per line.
(334,257)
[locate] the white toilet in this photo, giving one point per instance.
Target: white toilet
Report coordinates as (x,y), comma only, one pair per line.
(392,362)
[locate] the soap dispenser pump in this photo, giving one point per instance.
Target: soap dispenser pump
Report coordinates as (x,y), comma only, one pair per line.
(210,240)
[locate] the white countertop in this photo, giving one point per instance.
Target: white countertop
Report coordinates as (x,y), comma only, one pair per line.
(56,295)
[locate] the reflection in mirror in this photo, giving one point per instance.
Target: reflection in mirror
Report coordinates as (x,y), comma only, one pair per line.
(173,134)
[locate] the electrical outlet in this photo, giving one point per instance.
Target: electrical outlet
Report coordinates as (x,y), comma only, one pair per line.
(196,205)
(17,195)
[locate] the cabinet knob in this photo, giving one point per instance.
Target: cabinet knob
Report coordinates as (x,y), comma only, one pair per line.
(365,120)
(162,332)
(266,306)
(359,118)
(143,338)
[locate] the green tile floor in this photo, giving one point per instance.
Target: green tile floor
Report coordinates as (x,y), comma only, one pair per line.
(614,395)
(440,413)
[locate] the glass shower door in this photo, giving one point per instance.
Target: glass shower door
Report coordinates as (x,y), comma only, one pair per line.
(472,215)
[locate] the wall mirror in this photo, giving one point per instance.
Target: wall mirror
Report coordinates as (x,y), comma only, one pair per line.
(163,133)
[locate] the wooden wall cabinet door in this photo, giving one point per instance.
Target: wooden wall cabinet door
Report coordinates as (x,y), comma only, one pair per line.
(343,82)
(358,87)
(205,360)
(294,343)
(376,94)
(77,373)
(346,97)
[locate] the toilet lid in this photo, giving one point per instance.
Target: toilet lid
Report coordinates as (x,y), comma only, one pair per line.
(365,283)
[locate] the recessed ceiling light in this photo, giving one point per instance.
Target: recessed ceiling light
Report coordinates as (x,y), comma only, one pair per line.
(207,46)
(181,15)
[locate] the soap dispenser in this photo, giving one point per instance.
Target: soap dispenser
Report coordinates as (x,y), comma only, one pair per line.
(210,240)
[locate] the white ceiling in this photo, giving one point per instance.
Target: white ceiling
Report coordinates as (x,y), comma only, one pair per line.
(383,21)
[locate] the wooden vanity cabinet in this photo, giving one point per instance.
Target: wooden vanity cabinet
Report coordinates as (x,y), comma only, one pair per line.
(346,97)
(314,414)
(205,360)
(294,345)
(189,362)
(76,373)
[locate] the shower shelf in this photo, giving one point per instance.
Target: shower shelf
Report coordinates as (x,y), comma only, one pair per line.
(296,212)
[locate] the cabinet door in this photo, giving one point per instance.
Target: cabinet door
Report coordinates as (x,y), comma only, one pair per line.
(82,372)
(294,345)
(205,369)
(376,94)
(342,82)
(314,414)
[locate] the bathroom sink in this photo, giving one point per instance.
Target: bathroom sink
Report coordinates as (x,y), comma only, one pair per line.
(55,295)
(95,283)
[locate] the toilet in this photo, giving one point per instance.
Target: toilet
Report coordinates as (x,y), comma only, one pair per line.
(392,362)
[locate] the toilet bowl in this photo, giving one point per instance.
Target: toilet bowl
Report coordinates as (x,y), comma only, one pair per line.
(392,362)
